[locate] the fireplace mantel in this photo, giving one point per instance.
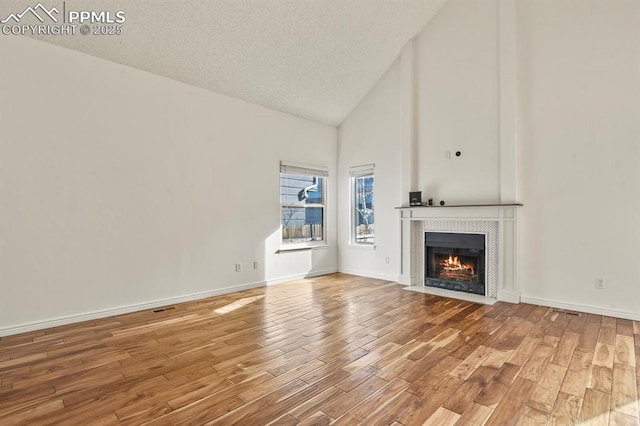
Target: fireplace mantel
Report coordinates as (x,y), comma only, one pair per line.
(463,218)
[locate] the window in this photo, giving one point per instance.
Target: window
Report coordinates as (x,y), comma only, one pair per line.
(362,220)
(302,202)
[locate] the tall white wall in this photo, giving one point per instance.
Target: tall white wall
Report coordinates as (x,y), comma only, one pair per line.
(119,188)
(457,104)
(453,90)
(577,118)
(370,135)
(580,151)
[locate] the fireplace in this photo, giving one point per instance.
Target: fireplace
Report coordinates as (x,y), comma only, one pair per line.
(455,261)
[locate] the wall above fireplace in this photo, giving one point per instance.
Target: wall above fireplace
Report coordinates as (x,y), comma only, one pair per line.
(498,222)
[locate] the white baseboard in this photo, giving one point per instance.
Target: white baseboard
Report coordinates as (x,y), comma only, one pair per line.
(582,308)
(369,274)
(70,319)
(509,296)
(401,280)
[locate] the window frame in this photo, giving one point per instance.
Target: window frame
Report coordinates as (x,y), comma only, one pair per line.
(305,170)
(355,172)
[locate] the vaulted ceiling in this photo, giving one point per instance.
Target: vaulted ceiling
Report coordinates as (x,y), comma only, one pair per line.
(311,58)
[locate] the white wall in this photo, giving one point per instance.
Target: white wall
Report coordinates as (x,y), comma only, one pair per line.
(456,100)
(457,104)
(580,151)
(120,188)
(370,136)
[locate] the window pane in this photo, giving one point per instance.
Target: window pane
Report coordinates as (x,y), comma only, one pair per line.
(301,189)
(363,221)
(302,212)
(301,224)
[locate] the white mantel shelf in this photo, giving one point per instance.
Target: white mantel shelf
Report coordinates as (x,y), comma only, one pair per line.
(498,221)
(460,205)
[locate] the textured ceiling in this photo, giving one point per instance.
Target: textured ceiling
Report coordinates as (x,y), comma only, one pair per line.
(311,58)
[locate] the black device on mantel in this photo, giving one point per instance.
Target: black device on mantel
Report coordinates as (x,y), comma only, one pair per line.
(415,198)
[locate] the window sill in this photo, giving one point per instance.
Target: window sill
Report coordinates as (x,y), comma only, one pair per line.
(300,247)
(362,246)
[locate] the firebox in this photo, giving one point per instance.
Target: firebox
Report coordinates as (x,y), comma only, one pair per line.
(455,261)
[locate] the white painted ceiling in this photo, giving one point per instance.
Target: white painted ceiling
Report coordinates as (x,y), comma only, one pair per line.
(311,58)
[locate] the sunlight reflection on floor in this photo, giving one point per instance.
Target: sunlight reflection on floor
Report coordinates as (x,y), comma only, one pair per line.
(237,305)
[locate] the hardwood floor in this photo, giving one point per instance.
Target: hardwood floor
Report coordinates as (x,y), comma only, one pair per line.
(337,349)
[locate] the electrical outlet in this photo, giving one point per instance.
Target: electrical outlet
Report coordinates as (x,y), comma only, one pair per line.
(387,259)
(255,264)
(601,283)
(238,267)
(447,155)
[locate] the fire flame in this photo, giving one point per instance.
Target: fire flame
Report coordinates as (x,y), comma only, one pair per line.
(453,264)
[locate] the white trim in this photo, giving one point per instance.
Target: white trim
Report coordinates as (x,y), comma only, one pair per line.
(412,228)
(55,322)
(508,296)
(399,280)
(469,297)
(361,246)
(377,276)
(302,246)
(352,207)
(364,170)
(581,308)
(303,169)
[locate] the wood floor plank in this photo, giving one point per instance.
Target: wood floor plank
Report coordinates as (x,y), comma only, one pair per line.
(358,394)
(619,419)
(537,362)
(552,376)
(471,362)
(517,396)
(497,358)
(566,409)
(607,334)
(624,396)
(463,398)
(564,352)
(317,419)
(624,350)
(543,398)
(434,396)
(595,408)
(475,415)
(624,327)
(433,373)
(523,352)
(380,400)
(601,378)
(311,407)
(582,359)
(492,394)
(508,373)
(333,349)
(531,416)
(442,416)
(576,382)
